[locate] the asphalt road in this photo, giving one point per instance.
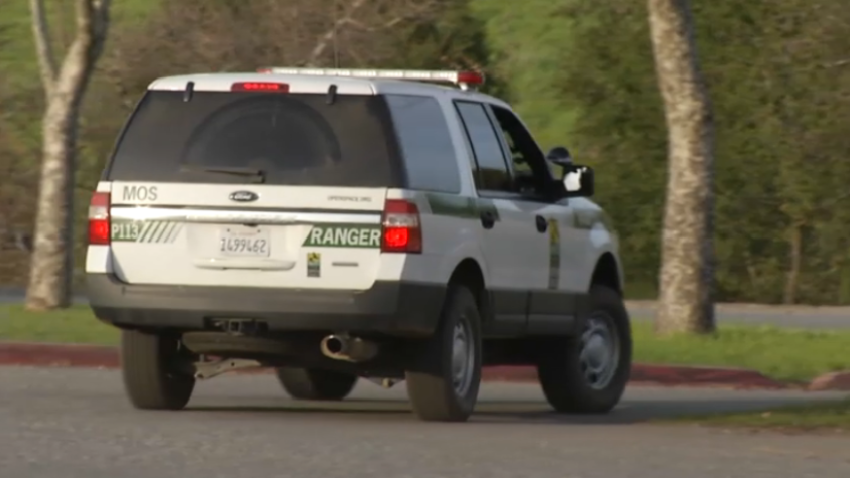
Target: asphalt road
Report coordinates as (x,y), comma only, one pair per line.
(75,423)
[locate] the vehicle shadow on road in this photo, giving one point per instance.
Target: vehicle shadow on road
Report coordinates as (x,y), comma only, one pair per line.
(629,412)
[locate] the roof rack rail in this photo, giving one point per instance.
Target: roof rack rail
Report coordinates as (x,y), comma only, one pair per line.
(465,79)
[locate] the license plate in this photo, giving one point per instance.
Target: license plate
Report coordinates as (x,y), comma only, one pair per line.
(244,242)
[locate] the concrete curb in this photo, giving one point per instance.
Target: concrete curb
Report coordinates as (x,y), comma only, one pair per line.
(95,356)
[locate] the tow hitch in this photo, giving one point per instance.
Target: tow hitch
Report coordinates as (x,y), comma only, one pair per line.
(210,368)
(248,327)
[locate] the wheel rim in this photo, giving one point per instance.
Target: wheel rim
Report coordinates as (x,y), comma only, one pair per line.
(463,358)
(600,351)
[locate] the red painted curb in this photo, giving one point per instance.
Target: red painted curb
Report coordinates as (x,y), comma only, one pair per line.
(693,375)
(831,381)
(655,374)
(64,355)
(35,354)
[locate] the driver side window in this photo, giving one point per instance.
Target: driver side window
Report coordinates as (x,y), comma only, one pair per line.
(527,157)
(514,152)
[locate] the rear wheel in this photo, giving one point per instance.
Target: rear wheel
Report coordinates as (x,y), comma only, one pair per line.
(315,384)
(588,374)
(152,380)
(443,385)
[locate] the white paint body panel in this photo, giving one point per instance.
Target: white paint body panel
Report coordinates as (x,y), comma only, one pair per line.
(518,254)
(187,253)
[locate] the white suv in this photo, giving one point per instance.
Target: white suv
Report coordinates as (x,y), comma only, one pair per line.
(337,224)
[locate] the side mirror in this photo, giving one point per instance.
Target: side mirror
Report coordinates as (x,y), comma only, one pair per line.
(578,180)
(559,155)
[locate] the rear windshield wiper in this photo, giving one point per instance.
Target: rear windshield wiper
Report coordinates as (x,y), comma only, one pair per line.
(258,175)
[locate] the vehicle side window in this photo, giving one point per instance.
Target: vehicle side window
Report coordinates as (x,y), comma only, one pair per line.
(525,152)
(425,142)
(493,173)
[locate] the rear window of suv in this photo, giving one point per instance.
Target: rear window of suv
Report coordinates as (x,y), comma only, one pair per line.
(293,139)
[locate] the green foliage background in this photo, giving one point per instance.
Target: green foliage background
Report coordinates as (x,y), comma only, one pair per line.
(580,74)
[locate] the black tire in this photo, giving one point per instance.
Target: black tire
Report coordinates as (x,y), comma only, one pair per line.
(315,384)
(430,383)
(566,386)
(149,366)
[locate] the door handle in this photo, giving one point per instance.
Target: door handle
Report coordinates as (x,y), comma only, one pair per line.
(488,219)
(541,223)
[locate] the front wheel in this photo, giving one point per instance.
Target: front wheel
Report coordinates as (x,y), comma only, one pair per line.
(588,374)
(443,384)
(315,384)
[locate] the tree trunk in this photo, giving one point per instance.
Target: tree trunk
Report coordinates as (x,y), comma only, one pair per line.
(687,269)
(796,256)
(51,267)
(52,260)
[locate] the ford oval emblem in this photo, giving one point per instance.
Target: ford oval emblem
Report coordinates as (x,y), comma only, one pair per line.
(243,196)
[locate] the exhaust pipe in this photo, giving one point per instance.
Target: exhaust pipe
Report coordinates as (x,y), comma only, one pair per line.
(350,349)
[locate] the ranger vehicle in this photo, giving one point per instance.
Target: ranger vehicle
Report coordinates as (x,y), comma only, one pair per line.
(336,224)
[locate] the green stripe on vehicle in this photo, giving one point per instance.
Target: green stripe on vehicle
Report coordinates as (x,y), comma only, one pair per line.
(149,229)
(586,219)
(367,236)
(173,230)
(460,206)
(144,232)
(160,232)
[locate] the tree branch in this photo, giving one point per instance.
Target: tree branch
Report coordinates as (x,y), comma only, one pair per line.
(92,19)
(101,21)
(43,49)
(385,26)
(327,38)
(413,10)
(836,64)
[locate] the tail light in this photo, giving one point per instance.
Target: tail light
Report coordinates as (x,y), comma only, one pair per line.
(99,227)
(401,231)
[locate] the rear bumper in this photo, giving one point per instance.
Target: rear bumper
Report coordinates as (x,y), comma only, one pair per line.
(394,308)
